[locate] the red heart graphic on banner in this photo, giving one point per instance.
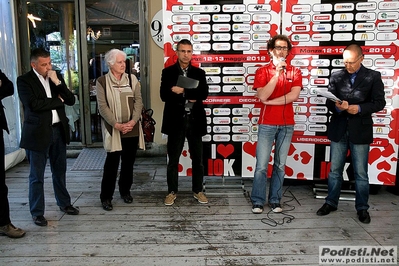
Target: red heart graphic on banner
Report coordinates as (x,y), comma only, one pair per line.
(249,168)
(184,153)
(305,157)
(250,148)
(296,157)
(189,172)
(225,151)
(180,168)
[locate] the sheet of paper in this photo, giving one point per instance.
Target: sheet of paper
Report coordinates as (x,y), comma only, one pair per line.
(328,95)
(187,83)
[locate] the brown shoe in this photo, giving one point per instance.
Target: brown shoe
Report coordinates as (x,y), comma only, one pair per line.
(200,196)
(170,199)
(11,231)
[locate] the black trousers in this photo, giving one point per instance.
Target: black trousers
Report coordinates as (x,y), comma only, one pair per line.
(175,147)
(127,156)
(4,205)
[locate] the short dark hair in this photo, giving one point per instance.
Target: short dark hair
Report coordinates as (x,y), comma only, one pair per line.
(38,52)
(355,48)
(272,42)
(183,41)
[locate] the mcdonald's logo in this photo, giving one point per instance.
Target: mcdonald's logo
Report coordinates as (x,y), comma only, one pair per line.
(343,17)
(320,72)
(364,36)
(297,109)
(379,130)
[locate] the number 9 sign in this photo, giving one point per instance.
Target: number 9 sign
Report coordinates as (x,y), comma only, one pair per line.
(156,29)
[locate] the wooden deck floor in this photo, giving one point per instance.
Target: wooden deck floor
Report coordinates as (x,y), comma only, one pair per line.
(223,232)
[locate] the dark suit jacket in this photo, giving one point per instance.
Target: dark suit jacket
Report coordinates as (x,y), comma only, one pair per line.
(367,92)
(37,125)
(6,89)
(174,112)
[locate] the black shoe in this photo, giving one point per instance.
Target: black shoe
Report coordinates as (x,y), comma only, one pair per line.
(39,220)
(107,205)
(70,210)
(364,216)
(325,209)
(127,198)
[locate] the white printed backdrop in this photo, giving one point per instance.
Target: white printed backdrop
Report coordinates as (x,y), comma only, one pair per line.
(229,39)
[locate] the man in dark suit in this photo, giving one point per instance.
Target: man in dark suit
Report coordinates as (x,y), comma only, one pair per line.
(6,227)
(45,132)
(361,92)
(184,116)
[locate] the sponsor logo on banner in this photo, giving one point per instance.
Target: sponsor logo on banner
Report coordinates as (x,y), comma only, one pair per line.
(365,16)
(201,27)
(240,138)
(206,138)
(257,46)
(214,89)
(208,120)
(317,37)
(300,118)
(367,62)
(213,80)
(254,138)
(240,120)
(250,79)
(201,18)
(344,7)
(233,79)
(233,8)
(388,82)
(300,62)
(261,27)
(221,37)
(317,119)
(300,37)
(318,100)
(261,17)
(221,129)
(320,72)
(221,46)
(221,120)
(381,120)
(301,8)
(208,111)
(322,7)
(305,82)
(388,15)
(365,36)
(318,109)
(386,72)
(261,36)
(343,27)
(221,27)
(242,18)
(366,6)
(241,27)
(300,28)
(321,27)
(221,138)
(201,37)
(201,46)
(319,82)
(322,18)
(181,28)
(320,62)
(211,70)
(259,8)
(181,18)
(381,130)
(240,129)
(233,70)
(241,46)
(250,89)
(380,62)
(342,37)
(300,18)
(389,5)
(300,109)
(179,37)
(304,71)
(364,26)
(391,26)
(233,89)
(254,121)
(252,69)
(240,111)
(299,127)
(343,17)
(255,111)
(221,18)
(317,128)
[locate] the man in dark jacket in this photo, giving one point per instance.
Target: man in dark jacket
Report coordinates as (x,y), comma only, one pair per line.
(184,116)
(6,227)
(45,132)
(361,92)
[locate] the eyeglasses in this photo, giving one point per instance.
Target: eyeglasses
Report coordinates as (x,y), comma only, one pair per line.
(279,48)
(352,63)
(185,51)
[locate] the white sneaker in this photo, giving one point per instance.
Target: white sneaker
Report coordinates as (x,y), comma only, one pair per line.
(257,209)
(276,207)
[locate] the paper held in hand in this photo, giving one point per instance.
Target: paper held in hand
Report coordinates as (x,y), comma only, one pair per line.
(187,83)
(328,95)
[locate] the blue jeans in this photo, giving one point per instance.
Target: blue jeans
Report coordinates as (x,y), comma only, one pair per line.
(267,135)
(360,156)
(56,151)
